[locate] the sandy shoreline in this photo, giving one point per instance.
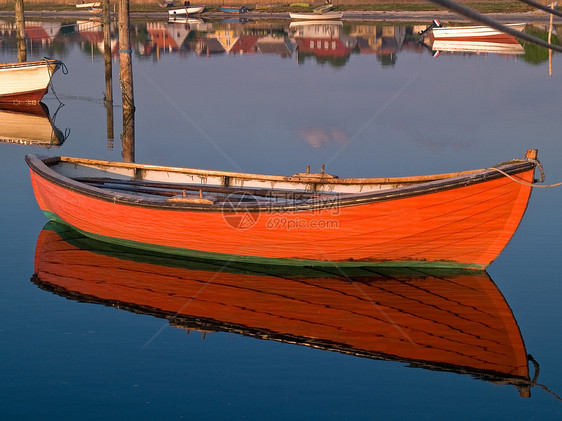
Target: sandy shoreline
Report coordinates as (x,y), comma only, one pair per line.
(402,16)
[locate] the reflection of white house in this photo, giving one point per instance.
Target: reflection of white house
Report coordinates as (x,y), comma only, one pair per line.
(162,39)
(43,32)
(178,31)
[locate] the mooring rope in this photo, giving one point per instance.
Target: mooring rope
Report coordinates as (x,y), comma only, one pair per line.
(64,70)
(537,164)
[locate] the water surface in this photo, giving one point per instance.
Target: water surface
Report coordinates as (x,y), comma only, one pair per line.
(365,99)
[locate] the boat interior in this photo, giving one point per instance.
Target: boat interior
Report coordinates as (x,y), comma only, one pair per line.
(210,187)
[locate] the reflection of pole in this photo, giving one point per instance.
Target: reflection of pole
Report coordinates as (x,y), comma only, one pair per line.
(108,73)
(20,31)
(126,81)
(128,135)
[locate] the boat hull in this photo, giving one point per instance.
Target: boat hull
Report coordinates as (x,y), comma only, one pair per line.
(234,10)
(316,16)
(473,33)
(465,222)
(26,82)
(186,11)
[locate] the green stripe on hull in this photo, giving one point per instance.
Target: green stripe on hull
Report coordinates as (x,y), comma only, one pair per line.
(421,264)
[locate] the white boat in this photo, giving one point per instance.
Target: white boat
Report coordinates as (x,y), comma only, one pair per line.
(26,82)
(511,48)
(471,32)
(182,11)
(316,16)
(90,5)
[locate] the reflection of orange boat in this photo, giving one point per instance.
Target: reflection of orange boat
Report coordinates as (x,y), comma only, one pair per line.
(452,321)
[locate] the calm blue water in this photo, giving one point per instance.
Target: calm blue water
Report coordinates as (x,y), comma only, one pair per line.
(383,107)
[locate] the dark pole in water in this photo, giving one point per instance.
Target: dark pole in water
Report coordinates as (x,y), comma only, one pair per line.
(20,31)
(126,82)
(108,72)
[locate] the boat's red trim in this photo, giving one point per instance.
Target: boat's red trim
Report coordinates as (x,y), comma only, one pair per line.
(30,97)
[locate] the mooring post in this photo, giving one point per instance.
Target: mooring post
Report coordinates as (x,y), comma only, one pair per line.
(126,82)
(108,72)
(20,31)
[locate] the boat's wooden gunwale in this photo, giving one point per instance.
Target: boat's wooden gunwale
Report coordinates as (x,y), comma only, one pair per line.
(42,168)
(28,64)
(324,178)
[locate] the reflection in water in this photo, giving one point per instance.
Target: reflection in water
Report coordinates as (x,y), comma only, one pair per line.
(326,42)
(447,321)
(29,125)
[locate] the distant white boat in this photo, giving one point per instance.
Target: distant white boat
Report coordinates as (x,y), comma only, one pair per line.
(316,16)
(183,11)
(88,5)
(472,32)
(315,22)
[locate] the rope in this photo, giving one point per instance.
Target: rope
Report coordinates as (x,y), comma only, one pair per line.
(64,70)
(534,161)
(534,382)
(474,15)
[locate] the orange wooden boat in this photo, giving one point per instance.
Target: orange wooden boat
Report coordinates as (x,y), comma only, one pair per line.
(451,320)
(462,219)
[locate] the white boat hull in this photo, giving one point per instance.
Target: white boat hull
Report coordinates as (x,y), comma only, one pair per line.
(186,11)
(470,32)
(26,82)
(316,16)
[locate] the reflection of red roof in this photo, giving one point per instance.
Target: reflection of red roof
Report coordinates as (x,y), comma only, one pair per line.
(162,39)
(245,44)
(323,47)
(93,37)
(36,33)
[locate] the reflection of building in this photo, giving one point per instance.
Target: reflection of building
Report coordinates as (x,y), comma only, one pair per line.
(37,32)
(380,40)
(43,32)
(323,39)
(162,39)
(229,36)
(278,45)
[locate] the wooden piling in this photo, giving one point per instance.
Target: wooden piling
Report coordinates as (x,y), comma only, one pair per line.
(20,31)
(108,72)
(126,82)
